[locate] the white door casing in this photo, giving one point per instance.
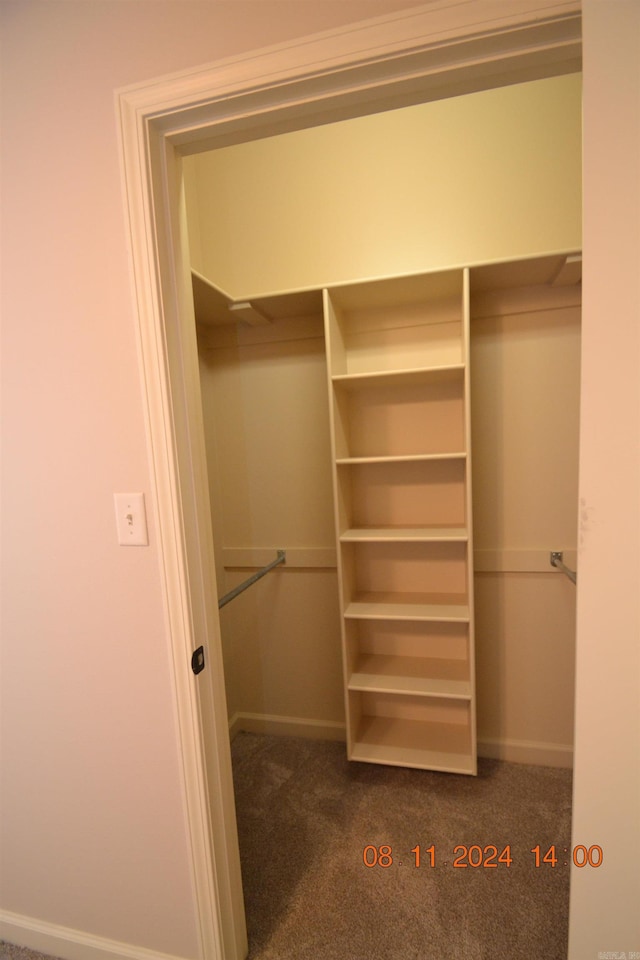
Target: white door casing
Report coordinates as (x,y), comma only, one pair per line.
(420,54)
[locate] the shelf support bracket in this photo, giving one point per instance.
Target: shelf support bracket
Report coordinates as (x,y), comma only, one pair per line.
(555,559)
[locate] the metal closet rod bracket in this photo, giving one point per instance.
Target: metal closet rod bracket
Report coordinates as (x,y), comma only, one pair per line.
(555,558)
(281,557)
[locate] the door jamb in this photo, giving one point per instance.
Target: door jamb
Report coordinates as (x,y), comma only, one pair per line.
(424,53)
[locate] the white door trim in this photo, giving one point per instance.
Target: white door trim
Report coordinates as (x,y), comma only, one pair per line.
(437,50)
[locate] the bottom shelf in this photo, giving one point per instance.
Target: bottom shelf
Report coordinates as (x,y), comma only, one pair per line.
(414,743)
(405,730)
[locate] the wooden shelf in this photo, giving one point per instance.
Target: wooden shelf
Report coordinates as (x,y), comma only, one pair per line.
(400,534)
(418,375)
(408,606)
(414,743)
(422,676)
(408,458)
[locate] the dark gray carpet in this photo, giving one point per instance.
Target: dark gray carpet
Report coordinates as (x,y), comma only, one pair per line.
(305,816)
(10,952)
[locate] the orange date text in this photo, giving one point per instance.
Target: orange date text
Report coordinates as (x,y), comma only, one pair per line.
(472,855)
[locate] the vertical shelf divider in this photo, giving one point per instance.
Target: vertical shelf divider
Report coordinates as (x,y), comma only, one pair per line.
(466,306)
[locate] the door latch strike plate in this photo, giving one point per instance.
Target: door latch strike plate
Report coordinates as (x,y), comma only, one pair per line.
(197,660)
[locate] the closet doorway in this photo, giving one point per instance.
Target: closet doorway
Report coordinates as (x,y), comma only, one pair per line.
(266,414)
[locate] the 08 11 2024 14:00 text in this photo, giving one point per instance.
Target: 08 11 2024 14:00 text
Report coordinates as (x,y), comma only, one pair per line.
(488,856)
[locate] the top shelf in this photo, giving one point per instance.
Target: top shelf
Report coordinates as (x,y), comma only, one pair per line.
(390,346)
(385,328)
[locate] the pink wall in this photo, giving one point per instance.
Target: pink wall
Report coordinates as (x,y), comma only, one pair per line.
(94,830)
(606,810)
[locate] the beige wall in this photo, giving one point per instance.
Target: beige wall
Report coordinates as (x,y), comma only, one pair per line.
(267,435)
(94,835)
(525,413)
(299,210)
(489,176)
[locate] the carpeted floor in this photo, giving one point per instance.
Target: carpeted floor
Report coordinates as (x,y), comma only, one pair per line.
(306,815)
(10,952)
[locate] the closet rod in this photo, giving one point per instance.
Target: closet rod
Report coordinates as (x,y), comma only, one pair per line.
(281,558)
(555,558)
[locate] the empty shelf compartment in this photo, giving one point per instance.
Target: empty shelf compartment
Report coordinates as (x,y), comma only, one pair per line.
(397,494)
(410,574)
(417,657)
(400,419)
(396,324)
(416,732)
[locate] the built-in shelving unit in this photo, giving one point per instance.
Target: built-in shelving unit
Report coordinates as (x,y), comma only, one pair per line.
(399,400)
(399,406)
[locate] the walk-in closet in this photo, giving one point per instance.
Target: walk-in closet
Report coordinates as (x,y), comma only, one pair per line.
(388,315)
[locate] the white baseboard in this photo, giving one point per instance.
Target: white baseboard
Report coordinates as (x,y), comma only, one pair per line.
(286,726)
(70,944)
(527,751)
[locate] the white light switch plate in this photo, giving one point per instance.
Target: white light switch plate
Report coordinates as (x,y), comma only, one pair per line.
(131,519)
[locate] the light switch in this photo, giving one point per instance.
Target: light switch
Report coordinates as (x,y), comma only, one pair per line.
(131,519)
